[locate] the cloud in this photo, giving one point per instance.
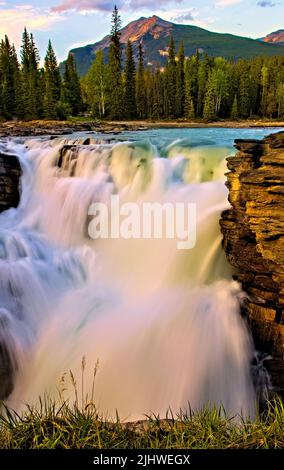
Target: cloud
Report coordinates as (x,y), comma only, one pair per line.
(184,16)
(135,4)
(188,16)
(266,3)
(104,5)
(14,20)
(87,5)
(26,15)
(226,3)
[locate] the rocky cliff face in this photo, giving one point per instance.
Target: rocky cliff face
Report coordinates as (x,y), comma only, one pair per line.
(10,173)
(277,37)
(253,232)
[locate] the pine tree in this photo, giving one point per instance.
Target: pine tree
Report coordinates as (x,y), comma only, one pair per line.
(280,100)
(157,109)
(25,62)
(171,78)
(129,86)
(140,85)
(116,98)
(234,111)
(243,86)
(71,89)
(191,86)
(189,110)
(193,71)
(254,87)
(52,84)
(202,80)
(244,101)
(180,83)
(32,96)
(209,112)
(37,83)
(9,79)
(264,90)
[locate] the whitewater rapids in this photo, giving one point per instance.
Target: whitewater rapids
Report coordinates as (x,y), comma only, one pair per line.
(162,325)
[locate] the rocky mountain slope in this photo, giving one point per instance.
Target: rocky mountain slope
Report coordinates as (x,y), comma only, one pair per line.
(277,37)
(154,33)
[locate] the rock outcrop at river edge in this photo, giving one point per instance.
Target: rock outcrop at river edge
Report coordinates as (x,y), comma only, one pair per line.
(253,231)
(10,173)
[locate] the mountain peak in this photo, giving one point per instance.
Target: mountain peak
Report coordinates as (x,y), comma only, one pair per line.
(276,37)
(153,25)
(154,33)
(159,19)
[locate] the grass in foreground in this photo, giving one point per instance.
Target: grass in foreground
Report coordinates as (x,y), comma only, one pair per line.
(50,427)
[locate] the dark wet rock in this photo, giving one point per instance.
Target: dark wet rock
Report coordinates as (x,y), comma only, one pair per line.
(6,371)
(10,173)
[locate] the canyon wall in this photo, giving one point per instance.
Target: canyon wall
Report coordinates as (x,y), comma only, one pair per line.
(253,231)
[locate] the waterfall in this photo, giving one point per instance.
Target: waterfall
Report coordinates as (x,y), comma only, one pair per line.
(162,324)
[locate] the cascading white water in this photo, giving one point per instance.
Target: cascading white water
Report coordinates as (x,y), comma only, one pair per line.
(163,323)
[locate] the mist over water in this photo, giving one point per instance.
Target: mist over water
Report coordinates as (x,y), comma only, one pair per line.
(163,323)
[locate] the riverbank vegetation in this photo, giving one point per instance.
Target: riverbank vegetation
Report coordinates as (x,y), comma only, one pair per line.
(124,87)
(64,427)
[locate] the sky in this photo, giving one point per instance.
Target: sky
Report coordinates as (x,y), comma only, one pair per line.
(72,23)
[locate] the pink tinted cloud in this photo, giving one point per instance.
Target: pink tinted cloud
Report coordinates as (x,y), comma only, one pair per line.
(86,5)
(104,5)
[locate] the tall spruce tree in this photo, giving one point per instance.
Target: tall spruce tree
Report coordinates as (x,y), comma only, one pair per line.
(129,84)
(189,111)
(158,95)
(280,100)
(140,85)
(209,112)
(115,68)
(19,101)
(71,89)
(32,90)
(180,83)
(9,79)
(202,79)
(234,111)
(264,90)
(171,78)
(52,84)
(191,87)
(244,98)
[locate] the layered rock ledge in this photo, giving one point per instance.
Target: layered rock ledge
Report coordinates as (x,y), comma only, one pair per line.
(253,231)
(58,128)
